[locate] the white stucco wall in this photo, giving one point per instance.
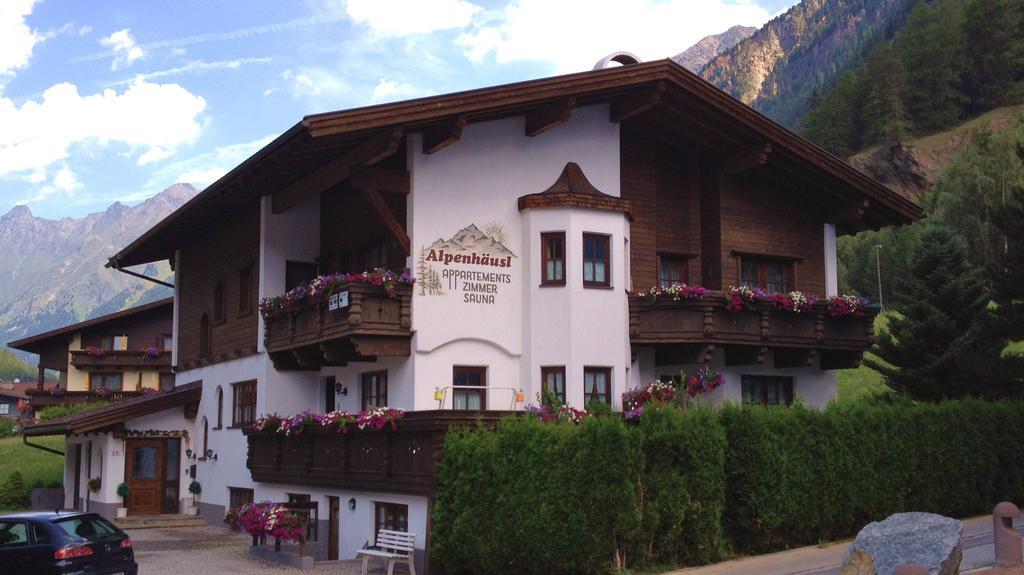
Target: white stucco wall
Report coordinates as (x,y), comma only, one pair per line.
(495,163)
(831,262)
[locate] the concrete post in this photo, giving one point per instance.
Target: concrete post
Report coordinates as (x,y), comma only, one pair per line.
(1005,538)
(910,569)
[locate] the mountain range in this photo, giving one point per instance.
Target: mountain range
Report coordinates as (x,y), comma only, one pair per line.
(52,271)
(697,56)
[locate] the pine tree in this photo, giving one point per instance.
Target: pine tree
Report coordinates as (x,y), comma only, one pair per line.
(996,52)
(885,113)
(942,343)
(1008,271)
(833,122)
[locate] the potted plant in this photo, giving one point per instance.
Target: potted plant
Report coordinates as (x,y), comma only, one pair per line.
(94,485)
(195,489)
(122,492)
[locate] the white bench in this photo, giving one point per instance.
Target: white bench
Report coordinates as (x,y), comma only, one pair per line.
(395,546)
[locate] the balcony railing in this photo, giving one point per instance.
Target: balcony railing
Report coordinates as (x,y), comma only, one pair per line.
(401,461)
(139,359)
(40,399)
(312,334)
(796,338)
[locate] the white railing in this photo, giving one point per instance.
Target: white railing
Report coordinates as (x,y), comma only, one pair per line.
(441,394)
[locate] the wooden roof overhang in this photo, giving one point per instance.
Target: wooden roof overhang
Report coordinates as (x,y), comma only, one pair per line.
(110,416)
(325,149)
(62,335)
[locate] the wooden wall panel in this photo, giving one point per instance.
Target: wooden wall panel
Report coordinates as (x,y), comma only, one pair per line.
(759,217)
(348,221)
(143,329)
(205,259)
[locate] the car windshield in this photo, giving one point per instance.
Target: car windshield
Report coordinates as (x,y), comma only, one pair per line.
(87,528)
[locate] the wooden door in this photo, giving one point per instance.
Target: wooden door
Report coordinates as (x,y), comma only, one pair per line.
(144,471)
(333,529)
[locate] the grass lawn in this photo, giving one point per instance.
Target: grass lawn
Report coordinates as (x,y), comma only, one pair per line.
(31,462)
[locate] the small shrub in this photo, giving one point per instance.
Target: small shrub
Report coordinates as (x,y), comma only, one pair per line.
(8,427)
(122,490)
(14,494)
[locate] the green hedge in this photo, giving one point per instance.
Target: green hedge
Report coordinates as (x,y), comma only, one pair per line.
(685,488)
(62,410)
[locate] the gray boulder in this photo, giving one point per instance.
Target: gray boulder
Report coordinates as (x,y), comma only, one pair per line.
(925,539)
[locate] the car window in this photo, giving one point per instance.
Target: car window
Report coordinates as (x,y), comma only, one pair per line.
(87,528)
(13,533)
(40,534)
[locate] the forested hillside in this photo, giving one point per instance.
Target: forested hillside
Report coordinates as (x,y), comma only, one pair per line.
(951,60)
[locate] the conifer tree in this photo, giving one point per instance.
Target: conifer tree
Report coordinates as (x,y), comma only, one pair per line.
(996,52)
(1008,271)
(942,343)
(884,108)
(14,493)
(932,48)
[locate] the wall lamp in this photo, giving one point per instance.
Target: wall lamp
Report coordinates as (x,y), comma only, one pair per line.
(208,456)
(352,504)
(340,389)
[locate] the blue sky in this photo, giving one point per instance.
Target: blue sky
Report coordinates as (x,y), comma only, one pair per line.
(106,100)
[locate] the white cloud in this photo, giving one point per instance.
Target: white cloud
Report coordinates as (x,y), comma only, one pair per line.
(574,34)
(390,90)
(123,48)
(64,182)
(151,119)
(405,17)
(312,83)
(203,169)
(16,38)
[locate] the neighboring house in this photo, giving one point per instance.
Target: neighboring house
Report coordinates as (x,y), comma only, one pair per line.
(535,217)
(112,357)
(13,396)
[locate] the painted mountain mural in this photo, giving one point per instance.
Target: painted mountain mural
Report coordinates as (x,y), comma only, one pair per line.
(52,271)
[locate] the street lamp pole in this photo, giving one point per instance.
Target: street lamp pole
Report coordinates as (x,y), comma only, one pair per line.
(878,268)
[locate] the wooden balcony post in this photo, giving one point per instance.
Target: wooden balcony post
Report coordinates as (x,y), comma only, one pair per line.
(355,308)
(42,378)
(406,310)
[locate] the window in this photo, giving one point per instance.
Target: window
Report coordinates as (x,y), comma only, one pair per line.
(40,534)
(552,259)
(111,381)
(245,290)
(375,389)
(596,266)
(597,384)
(5,409)
(671,271)
(310,513)
(328,382)
(298,273)
(204,335)
(13,534)
(206,436)
(87,528)
(769,275)
(220,407)
(219,302)
(767,390)
(114,342)
(244,412)
(390,516)
(167,342)
(469,377)
(166,381)
(554,381)
(238,497)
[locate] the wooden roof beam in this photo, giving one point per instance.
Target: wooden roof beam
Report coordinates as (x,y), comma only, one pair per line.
(387,216)
(444,134)
(748,159)
(637,102)
(549,116)
(366,153)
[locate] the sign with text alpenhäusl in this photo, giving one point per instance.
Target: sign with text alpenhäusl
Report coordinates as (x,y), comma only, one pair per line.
(473,265)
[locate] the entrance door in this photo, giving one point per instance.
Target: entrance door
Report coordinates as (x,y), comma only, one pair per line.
(144,466)
(333,532)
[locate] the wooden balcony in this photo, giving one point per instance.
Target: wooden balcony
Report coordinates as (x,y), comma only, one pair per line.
(311,334)
(121,359)
(402,461)
(41,399)
(688,331)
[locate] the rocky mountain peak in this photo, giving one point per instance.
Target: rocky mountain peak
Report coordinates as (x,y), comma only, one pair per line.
(20,212)
(697,56)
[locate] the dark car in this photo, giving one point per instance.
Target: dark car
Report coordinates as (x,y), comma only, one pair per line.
(64,542)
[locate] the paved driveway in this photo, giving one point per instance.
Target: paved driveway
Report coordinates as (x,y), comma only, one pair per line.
(210,550)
